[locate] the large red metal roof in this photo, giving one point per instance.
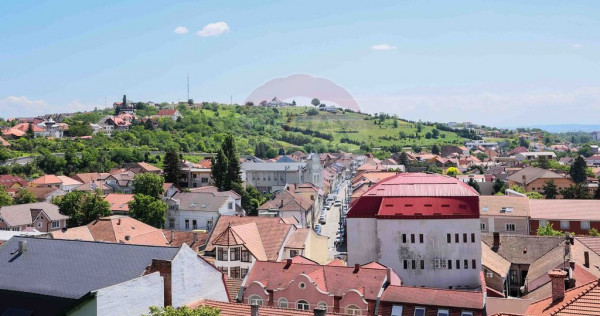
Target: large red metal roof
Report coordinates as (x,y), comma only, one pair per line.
(420,184)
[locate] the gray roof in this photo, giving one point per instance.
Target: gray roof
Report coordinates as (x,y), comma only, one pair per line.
(522,249)
(273,166)
(17,215)
(73,268)
(533,173)
(199,201)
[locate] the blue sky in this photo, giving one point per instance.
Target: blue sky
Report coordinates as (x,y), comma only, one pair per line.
(493,62)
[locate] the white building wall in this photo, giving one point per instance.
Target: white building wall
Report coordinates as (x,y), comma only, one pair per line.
(193,278)
(362,240)
(133,297)
(391,251)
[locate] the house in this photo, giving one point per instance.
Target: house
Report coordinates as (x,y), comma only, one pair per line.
(68,184)
(593,161)
(46,194)
(522,251)
(121,182)
(4,143)
(43,216)
(200,210)
(425,225)
(310,192)
(566,161)
(534,179)
(12,133)
(173,114)
(496,271)
(273,176)
(49,180)
(195,240)
(195,175)
(119,203)
(169,189)
(141,167)
(581,300)
(477,143)
(306,285)
(98,278)
(289,204)
(506,214)
(575,216)
(239,242)
(12,183)
(533,155)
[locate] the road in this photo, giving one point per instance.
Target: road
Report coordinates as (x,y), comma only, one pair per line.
(333,222)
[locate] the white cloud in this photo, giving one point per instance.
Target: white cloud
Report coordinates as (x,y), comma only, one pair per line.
(214,29)
(577,46)
(15,106)
(181,30)
(383,47)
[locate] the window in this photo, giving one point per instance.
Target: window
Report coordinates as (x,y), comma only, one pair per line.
(209,224)
(353,310)
(230,205)
(303,305)
(414,264)
(171,222)
(187,224)
(443,312)
(255,300)
(235,254)
(243,272)
(482,226)
(204,180)
(421,238)
(39,224)
(245,255)
(456,238)
(322,305)
(466,262)
(56,224)
(543,222)
(412,238)
(419,311)
(565,225)
(485,208)
(449,238)
(449,264)
(234,272)
(404,238)
(293,253)
(283,303)
(422,264)
(223,270)
(472,237)
(457,264)
(514,278)
(465,238)
(464,313)
(473,264)
(222,254)
(585,225)
(194,224)
(397,310)
(405,264)
(510,227)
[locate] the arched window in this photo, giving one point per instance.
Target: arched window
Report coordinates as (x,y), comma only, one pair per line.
(322,305)
(283,302)
(255,300)
(303,305)
(353,310)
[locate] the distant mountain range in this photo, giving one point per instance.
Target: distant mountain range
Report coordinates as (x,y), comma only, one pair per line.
(562,128)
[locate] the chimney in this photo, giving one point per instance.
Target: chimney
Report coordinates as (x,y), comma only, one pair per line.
(320,312)
(127,237)
(22,246)
(172,235)
(586,259)
(254,310)
(524,180)
(496,240)
(119,222)
(195,237)
(356,268)
(557,277)
(288,263)
(282,203)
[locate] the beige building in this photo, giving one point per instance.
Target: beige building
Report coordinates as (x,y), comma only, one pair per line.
(504,214)
(534,179)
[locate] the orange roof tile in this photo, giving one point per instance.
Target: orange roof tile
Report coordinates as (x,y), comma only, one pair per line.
(47,179)
(118,201)
(582,300)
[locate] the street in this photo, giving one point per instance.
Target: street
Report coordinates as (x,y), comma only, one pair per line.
(332,224)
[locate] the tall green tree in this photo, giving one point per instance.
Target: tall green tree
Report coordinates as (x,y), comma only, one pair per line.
(315,102)
(24,196)
(435,150)
(30,134)
(498,186)
(550,190)
(233,162)
(472,183)
(5,199)
(404,159)
(82,207)
(578,170)
(219,169)
(149,184)
(548,230)
(148,209)
(542,162)
(172,166)
(577,192)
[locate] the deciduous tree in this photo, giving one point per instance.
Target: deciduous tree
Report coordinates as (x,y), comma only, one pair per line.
(578,170)
(149,184)
(24,196)
(148,209)
(172,167)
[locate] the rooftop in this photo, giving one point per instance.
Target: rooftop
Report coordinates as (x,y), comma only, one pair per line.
(555,209)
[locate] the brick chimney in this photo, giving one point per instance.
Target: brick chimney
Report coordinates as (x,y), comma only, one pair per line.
(163,267)
(356,268)
(22,246)
(586,259)
(557,277)
(288,263)
(496,244)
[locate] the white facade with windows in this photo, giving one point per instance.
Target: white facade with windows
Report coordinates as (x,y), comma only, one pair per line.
(198,210)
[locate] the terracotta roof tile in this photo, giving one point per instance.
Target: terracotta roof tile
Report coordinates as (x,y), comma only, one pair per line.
(582,300)
(433,297)
(555,209)
(47,179)
(298,238)
(237,309)
(118,201)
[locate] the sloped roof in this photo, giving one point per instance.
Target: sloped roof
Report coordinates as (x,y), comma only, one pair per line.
(74,233)
(4,142)
(41,193)
(287,201)
(272,231)
(298,238)
(522,249)
(88,266)
(580,275)
(582,300)
(16,215)
(532,173)
(493,205)
(421,184)
(555,209)
(87,177)
(199,201)
(166,112)
(494,261)
(118,201)
(237,309)
(68,181)
(251,239)
(7,180)
(433,297)
(47,179)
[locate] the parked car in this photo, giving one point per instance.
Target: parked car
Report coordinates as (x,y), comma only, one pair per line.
(322,219)
(318,229)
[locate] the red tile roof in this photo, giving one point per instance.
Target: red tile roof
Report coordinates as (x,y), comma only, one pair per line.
(4,142)
(433,297)
(555,209)
(47,179)
(237,309)
(421,184)
(7,181)
(166,112)
(118,202)
(582,300)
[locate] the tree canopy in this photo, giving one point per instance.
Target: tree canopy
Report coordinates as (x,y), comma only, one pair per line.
(24,196)
(578,170)
(548,230)
(184,311)
(550,190)
(148,209)
(149,184)
(172,167)
(82,207)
